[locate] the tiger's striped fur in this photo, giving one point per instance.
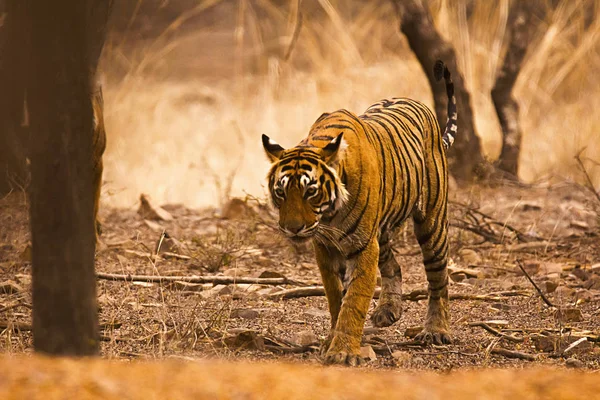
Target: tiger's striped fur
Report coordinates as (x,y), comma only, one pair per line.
(346,186)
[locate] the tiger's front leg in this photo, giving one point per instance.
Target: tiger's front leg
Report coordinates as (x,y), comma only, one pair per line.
(347,333)
(330,263)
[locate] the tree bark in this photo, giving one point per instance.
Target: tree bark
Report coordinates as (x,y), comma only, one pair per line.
(65,319)
(465,157)
(520,30)
(14,137)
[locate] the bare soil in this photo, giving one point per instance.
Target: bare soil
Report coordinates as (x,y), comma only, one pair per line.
(556,241)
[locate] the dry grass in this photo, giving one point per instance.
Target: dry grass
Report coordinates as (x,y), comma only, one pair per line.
(186,136)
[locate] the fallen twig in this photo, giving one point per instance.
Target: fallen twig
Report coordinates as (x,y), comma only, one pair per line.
(548,302)
(16,326)
(514,354)
(217,280)
(415,295)
(496,332)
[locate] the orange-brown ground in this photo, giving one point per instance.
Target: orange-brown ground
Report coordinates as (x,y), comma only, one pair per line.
(43,378)
(143,320)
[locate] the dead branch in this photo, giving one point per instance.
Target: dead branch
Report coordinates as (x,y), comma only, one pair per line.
(514,354)
(548,302)
(496,332)
(415,295)
(15,326)
(589,184)
(483,225)
(216,280)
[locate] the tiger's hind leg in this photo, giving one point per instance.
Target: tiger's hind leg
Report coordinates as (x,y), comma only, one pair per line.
(432,235)
(389,308)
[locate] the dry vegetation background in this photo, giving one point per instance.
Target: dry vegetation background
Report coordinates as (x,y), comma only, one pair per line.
(190,86)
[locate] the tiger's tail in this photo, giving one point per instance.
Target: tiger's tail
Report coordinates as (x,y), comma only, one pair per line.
(439,70)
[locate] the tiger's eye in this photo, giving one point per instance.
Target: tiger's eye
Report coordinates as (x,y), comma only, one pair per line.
(279,192)
(311,190)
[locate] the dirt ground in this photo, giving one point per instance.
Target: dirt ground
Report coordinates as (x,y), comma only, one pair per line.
(552,231)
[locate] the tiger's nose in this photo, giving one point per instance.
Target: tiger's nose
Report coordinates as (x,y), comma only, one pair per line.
(294,229)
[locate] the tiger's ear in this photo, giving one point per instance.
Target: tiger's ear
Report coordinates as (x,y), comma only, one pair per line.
(334,149)
(272,148)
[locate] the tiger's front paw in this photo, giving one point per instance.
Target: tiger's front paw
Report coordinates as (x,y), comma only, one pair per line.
(343,358)
(430,336)
(386,314)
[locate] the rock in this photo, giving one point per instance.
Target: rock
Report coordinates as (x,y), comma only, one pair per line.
(593,283)
(550,286)
(187,286)
(245,313)
(401,356)
(233,272)
(458,276)
(155,226)
(304,338)
(236,209)
(574,363)
(469,256)
(10,287)
(168,244)
(152,212)
(586,296)
(368,353)
(547,344)
(579,225)
(530,206)
(581,273)
(549,268)
(314,267)
(315,313)
(23,279)
(270,274)
(565,292)
(26,253)
(248,340)
(568,315)
(412,331)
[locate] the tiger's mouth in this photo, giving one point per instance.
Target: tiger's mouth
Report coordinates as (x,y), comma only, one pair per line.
(301,235)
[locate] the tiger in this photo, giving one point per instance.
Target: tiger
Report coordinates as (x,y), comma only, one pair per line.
(98,147)
(345,187)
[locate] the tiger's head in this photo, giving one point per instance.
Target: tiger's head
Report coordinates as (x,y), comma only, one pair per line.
(304,185)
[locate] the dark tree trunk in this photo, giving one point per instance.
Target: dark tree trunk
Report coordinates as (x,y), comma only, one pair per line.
(65,319)
(465,156)
(520,30)
(14,136)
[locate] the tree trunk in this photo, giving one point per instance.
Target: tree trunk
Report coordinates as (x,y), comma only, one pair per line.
(465,156)
(14,136)
(520,30)
(65,319)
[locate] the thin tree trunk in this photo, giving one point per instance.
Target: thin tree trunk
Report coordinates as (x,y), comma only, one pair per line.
(13,136)
(520,30)
(65,319)
(465,156)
